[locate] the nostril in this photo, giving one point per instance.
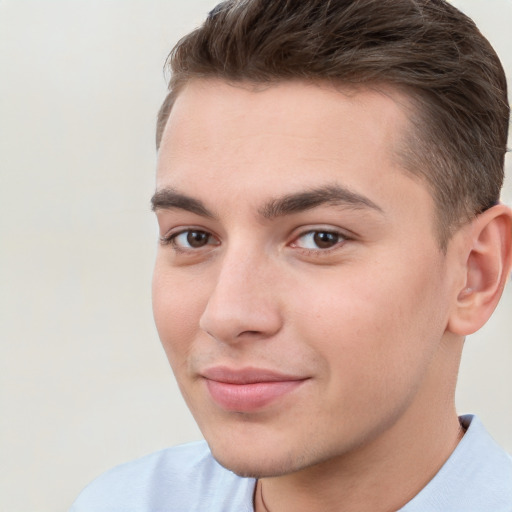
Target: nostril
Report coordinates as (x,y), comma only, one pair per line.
(250,333)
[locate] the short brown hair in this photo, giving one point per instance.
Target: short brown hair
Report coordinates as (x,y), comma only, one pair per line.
(426,48)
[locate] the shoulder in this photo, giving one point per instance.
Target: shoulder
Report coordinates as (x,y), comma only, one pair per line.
(183,478)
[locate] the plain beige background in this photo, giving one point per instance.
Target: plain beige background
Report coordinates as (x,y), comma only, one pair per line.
(83,380)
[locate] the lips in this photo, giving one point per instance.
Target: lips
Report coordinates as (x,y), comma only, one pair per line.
(248,389)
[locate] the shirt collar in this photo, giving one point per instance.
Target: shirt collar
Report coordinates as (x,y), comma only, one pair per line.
(476,477)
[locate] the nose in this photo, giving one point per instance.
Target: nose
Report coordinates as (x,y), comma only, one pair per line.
(244,302)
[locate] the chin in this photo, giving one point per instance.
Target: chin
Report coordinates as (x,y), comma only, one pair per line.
(252,450)
(261,466)
(257,461)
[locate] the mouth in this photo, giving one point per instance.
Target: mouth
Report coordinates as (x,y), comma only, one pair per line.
(248,389)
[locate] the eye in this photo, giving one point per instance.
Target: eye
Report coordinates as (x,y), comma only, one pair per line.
(319,239)
(190,239)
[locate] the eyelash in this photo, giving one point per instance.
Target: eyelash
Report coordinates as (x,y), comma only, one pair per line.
(170,239)
(341,239)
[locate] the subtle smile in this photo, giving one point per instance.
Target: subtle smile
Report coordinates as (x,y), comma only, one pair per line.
(248,389)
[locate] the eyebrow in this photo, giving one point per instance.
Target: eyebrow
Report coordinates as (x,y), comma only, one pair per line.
(169,198)
(334,195)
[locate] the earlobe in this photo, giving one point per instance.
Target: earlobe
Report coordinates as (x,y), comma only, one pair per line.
(488,260)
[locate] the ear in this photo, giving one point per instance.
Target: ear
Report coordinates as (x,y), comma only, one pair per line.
(487,264)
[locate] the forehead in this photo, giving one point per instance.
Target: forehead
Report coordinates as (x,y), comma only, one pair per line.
(313,110)
(273,140)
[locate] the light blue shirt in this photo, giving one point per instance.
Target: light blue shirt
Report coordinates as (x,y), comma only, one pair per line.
(476,478)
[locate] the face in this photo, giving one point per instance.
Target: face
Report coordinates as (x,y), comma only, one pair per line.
(299,290)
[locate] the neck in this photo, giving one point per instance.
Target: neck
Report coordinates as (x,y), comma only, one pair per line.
(385,473)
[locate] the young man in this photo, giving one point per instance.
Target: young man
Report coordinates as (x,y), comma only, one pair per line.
(328,202)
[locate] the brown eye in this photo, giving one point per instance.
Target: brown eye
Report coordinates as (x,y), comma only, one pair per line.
(191,239)
(325,239)
(197,238)
(318,240)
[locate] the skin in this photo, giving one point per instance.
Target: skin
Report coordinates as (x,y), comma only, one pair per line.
(364,319)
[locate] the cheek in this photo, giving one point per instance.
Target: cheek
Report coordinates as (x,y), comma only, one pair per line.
(377,323)
(177,307)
